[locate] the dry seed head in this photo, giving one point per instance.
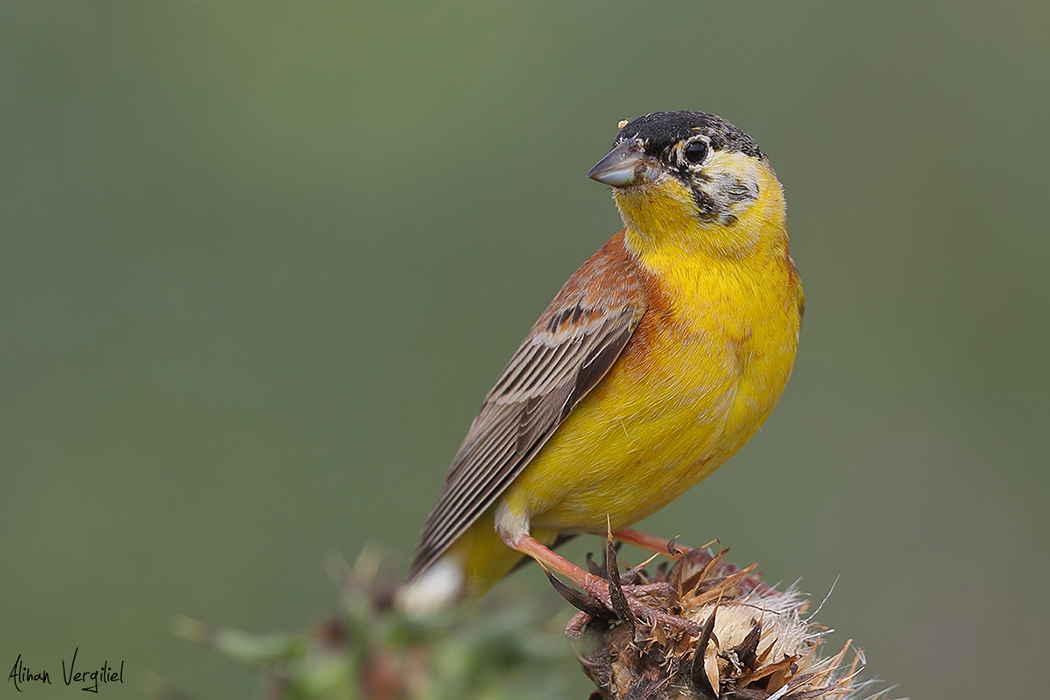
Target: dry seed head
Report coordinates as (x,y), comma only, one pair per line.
(754,643)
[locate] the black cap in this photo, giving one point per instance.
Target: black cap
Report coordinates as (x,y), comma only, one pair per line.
(661,130)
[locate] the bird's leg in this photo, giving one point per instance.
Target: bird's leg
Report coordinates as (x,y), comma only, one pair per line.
(596,586)
(551,560)
(650,543)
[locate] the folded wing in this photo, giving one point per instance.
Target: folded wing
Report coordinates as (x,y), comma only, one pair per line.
(567,352)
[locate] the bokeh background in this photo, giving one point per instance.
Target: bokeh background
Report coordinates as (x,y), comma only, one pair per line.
(259,262)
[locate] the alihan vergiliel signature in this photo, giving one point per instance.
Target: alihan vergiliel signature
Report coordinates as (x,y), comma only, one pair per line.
(23,675)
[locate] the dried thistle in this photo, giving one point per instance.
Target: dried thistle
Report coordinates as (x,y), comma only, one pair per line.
(747,641)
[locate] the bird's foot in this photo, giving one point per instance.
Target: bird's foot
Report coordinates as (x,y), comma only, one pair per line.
(609,595)
(606,594)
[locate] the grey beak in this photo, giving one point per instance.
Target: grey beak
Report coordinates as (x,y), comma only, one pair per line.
(625,165)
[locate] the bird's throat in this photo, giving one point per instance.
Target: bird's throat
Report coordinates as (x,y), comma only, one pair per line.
(661,220)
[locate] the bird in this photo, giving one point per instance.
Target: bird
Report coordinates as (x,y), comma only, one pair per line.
(655,362)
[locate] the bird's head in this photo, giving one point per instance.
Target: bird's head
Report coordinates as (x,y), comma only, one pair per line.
(692,179)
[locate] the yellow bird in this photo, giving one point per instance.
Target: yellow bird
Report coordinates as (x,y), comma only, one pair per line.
(658,359)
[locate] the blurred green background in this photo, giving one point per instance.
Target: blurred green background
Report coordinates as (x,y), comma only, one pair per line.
(260,261)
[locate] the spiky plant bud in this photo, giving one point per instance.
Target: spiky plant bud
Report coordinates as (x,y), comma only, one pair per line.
(737,639)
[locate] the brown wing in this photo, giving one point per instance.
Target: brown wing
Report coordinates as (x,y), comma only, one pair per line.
(567,352)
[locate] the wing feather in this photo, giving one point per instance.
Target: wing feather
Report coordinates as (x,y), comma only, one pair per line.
(567,352)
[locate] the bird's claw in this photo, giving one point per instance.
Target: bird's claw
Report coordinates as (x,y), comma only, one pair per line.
(613,601)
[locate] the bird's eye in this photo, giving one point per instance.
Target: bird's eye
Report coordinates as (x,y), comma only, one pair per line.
(695,151)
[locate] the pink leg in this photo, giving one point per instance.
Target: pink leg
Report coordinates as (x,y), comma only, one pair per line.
(555,562)
(650,543)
